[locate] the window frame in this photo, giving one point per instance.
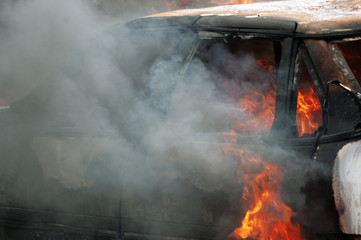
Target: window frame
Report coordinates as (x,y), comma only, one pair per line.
(292,54)
(348,83)
(280,62)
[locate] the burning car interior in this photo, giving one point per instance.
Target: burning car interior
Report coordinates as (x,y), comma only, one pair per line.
(238,122)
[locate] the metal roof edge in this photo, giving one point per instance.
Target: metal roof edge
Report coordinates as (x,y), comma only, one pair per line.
(266,25)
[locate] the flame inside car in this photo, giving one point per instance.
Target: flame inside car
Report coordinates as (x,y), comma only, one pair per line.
(252,89)
(120,134)
(309,116)
(260,108)
(267,216)
(258,105)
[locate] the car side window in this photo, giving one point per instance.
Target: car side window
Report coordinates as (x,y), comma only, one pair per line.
(243,78)
(337,85)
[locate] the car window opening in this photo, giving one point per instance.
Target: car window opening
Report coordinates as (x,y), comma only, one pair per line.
(342,108)
(244,72)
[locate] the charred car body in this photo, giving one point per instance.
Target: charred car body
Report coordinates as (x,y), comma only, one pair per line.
(298,69)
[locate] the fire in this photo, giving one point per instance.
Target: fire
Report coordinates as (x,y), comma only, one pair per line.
(309,116)
(260,108)
(257,106)
(268,217)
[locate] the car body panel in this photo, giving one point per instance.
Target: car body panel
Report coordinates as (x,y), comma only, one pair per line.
(316,18)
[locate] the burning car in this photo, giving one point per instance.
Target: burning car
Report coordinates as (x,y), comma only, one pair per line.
(261,98)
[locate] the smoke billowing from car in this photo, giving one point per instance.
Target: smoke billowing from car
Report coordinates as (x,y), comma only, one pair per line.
(103,111)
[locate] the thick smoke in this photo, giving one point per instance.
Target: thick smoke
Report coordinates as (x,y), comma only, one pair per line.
(100,110)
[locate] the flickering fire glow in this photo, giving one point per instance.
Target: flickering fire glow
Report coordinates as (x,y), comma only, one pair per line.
(260,108)
(267,216)
(181,4)
(309,116)
(256,104)
(250,90)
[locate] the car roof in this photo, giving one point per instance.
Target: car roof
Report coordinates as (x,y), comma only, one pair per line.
(302,18)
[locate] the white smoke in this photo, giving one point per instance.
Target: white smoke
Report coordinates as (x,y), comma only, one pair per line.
(131,125)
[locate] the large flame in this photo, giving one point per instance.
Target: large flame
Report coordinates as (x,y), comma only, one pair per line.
(268,218)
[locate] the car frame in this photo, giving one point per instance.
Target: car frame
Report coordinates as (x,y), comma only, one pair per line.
(309,33)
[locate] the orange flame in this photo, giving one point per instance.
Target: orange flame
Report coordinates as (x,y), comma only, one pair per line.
(260,108)
(309,116)
(268,217)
